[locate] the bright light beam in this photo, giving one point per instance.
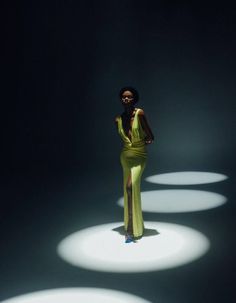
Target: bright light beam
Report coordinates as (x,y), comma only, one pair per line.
(76,295)
(178,200)
(164,246)
(186,178)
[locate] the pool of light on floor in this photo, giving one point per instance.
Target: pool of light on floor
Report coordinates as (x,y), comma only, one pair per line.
(178,200)
(101,248)
(76,295)
(186,178)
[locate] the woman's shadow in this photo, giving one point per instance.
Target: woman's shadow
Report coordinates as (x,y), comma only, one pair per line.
(147,231)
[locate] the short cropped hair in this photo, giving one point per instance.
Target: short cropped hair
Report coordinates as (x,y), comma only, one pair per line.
(132,90)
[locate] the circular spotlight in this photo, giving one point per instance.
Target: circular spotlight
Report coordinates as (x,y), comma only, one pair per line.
(186,177)
(178,200)
(76,295)
(163,246)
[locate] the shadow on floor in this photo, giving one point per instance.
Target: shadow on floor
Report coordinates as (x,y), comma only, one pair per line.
(147,231)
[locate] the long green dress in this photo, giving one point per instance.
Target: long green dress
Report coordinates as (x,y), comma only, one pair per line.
(133,159)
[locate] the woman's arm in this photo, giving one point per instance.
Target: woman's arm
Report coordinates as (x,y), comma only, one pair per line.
(150,137)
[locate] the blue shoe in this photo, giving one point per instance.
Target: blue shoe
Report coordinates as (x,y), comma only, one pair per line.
(129,239)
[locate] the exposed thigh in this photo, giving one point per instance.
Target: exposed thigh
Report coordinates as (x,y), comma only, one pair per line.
(129,180)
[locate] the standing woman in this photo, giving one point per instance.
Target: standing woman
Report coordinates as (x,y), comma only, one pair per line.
(135,132)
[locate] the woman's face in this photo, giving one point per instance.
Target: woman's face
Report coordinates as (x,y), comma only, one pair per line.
(127,97)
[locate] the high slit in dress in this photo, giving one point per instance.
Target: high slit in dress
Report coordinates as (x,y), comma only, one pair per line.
(133,159)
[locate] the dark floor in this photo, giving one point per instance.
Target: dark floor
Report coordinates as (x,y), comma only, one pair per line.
(40,210)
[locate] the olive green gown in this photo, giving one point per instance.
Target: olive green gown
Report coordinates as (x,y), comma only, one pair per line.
(133,159)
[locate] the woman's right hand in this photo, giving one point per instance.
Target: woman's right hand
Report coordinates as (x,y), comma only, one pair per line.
(148,140)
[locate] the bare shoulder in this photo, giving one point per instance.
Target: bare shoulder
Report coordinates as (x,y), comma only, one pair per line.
(117,118)
(141,112)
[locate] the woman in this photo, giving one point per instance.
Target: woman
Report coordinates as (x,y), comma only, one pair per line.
(135,132)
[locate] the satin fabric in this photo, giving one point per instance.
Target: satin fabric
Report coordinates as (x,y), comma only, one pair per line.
(133,158)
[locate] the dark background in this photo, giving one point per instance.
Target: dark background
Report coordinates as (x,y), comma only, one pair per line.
(63,65)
